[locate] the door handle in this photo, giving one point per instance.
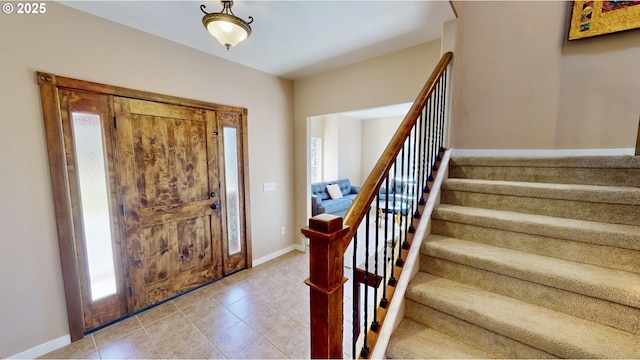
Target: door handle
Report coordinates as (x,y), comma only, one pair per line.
(214,206)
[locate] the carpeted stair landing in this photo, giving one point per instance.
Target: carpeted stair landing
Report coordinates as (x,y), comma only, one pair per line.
(529,258)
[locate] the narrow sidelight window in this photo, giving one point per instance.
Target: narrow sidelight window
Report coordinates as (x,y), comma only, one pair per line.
(316,159)
(94,203)
(232,184)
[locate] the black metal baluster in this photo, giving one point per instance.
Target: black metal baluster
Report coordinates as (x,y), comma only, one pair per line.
(412,176)
(432,149)
(425,135)
(438,131)
(365,347)
(375,324)
(384,301)
(354,298)
(415,174)
(443,100)
(399,260)
(392,279)
(444,106)
(408,211)
(421,152)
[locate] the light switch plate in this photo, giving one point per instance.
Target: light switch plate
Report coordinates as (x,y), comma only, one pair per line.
(269,186)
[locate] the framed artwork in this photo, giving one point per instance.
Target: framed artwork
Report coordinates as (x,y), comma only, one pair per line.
(591,18)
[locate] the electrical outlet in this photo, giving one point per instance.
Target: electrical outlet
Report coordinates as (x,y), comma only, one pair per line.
(269,186)
(282,230)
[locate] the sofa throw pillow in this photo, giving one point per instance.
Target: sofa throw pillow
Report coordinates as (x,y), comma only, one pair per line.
(334,191)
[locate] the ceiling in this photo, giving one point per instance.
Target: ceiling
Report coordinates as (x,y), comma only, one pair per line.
(290,39)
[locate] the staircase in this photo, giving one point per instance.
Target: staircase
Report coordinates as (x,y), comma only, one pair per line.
(529,258)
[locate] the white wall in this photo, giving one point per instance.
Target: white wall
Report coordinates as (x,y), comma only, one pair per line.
(518,84)
(354,145)
(331,148)
(387,80)
(376,134)
(350,149)
(341,148)
(74,44)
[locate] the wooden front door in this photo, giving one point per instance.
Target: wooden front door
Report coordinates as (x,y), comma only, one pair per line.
(170,182)
(151,195)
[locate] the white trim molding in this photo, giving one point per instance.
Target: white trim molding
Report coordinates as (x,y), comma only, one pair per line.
(540,152)
(42,349)
(276,254)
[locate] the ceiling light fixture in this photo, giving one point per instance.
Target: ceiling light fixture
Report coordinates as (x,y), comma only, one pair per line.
(225,26)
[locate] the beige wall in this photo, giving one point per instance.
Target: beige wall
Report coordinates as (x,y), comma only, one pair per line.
(387,80)
(71,43)
(518,84)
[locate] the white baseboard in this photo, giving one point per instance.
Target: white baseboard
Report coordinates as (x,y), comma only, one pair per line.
(274,255)
(302,248)
(541,152)
(43,348)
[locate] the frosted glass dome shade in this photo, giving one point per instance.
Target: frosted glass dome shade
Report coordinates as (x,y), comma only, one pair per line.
(229,30)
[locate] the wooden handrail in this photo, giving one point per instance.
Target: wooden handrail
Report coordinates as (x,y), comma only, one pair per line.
(371,186)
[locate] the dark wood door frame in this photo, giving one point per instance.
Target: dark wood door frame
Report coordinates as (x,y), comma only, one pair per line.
(49,85)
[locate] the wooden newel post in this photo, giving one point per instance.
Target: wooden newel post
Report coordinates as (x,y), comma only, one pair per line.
(326,281)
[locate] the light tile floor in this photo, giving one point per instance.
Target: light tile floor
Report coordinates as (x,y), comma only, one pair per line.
(261,312)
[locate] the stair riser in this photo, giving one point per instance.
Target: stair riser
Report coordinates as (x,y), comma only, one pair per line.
(583,252)
(576,278)
(581,210)
(598,233)
(623,317)
(583,176)
(483,339)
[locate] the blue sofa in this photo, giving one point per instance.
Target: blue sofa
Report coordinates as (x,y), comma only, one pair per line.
(322,203)
(399,196)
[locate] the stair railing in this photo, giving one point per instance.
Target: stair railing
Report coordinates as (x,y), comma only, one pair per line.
(377,230)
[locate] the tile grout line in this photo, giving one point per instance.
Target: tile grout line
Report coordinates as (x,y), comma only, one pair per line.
(148,336)
(250,327)
(95,345)
(197,328)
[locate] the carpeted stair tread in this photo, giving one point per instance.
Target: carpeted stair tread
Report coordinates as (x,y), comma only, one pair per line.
(565,201)
(610,162)
(412,340)
(587,193)
(530,258)
(622,317)
(613,285)
(594,170)
(557,333)
(476,336)
(618,235)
